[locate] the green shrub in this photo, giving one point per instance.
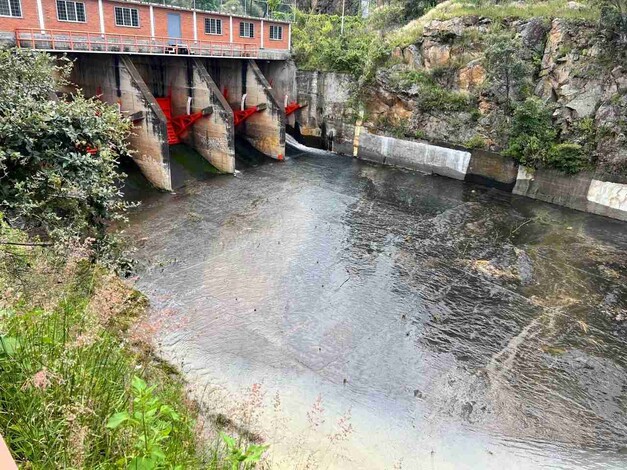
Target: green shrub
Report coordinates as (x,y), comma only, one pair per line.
(476,142)
(58,158)
(386,16)
(435,98)
(534,141)
(319,45)
(568,158)
(430,95)
(532,133)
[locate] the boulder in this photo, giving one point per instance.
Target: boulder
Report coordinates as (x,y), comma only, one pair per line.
(585,103)
(435,54)
(413,57)
(471,76)
(533,34)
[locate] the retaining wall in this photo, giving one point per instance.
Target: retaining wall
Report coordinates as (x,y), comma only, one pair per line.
(328,122)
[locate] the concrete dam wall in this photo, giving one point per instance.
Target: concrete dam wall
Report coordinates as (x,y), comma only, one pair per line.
(216,88)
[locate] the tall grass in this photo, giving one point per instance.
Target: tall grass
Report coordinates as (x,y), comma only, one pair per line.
(497,11)
(65,370)
(72,365)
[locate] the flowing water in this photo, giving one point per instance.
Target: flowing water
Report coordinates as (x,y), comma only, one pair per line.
(388,319)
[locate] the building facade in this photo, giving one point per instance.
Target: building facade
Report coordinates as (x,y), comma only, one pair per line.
(137,27)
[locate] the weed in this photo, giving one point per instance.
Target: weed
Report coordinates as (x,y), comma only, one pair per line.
(476,142)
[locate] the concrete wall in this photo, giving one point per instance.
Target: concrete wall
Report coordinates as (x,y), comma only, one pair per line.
(118,81)
(411,155)
(264,130)
(582,191)
(491,169)
(327,95)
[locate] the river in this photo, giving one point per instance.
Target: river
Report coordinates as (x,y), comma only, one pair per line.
(364,317)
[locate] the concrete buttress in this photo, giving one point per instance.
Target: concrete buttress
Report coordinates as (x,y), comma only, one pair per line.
(265,130)
(116,80)
(212,137)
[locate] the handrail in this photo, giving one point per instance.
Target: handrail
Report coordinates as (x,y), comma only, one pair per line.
(88,41)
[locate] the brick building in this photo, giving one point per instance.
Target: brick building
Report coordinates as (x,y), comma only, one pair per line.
(139,27)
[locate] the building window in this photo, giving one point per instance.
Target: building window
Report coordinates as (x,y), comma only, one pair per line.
(246,30)
(276,32)
(213,26)
(71,11)
(128,17)
(10,8)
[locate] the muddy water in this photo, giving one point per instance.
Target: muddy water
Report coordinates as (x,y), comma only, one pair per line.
(444,325)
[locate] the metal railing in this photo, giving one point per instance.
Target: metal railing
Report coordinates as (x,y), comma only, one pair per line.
(85,41)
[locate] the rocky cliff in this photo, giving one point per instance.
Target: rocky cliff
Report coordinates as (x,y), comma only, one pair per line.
(440,88)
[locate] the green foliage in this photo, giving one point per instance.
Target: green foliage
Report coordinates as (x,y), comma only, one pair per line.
(434,98)
(64,374)
(386,16)
(567,157)
(398,12)
(534,141)
(398,128)
(509,73)
(153,426)
(319,45)
(242,458)
(49,180)
(476,142)
(614,20)
(532,133)
(430,96)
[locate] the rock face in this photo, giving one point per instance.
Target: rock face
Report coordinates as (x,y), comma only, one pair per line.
(471,76)
(569,69)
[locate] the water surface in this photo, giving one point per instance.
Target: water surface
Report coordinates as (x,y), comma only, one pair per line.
(458,326)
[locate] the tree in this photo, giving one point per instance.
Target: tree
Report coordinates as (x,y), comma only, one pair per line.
(532,133)
(614,19)
(506,68)
(58,157)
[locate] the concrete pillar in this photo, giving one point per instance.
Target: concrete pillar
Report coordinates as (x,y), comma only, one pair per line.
(281,75)
(212,136)
(116,79)
(264,130)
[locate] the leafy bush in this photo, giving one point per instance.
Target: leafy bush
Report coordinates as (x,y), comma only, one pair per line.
(386,16)
(535,142)
(430,96)
(567,157)
(58,158)
(319,45)
(532,133)
(433,98)
(476,142)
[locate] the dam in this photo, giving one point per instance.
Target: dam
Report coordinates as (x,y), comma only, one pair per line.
(364,316)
